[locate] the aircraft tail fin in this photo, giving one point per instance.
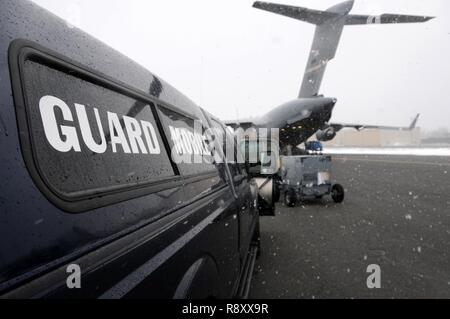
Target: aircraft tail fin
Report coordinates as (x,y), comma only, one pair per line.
(330,24)
(329,27)
(414,122)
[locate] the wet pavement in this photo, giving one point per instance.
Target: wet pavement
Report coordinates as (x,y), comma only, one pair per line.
(396,215)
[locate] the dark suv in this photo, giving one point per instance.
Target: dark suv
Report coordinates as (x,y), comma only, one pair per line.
(91,180)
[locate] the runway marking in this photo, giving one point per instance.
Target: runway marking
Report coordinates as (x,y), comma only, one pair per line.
(392,161)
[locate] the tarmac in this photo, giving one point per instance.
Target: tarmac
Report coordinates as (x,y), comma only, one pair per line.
(396,215)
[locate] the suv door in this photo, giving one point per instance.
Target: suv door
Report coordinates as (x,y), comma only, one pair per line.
(242,185)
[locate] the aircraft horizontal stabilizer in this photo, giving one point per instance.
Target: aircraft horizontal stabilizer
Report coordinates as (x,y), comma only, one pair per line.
(354,19)
(299,13)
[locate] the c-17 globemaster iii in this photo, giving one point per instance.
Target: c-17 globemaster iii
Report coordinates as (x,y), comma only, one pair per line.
(310,113)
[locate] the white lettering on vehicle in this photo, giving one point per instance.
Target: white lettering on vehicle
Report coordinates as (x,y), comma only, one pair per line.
(188,143)
(47,107)
(117,134)
(64,138)
(87,132)
(190,147)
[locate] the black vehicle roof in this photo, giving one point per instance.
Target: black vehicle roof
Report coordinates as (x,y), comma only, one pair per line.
(22,19)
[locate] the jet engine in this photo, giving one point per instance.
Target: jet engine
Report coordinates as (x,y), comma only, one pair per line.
(326,134)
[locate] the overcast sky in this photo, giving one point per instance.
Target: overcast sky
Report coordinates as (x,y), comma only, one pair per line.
(236,61)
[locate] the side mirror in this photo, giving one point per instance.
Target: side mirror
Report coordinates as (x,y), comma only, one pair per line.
(270,163)
(263,165)
(261,157)
(267,195)
(237,179)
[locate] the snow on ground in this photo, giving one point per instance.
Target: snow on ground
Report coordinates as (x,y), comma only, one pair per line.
(418,151)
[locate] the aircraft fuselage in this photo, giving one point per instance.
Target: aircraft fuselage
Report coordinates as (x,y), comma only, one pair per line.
(299,119)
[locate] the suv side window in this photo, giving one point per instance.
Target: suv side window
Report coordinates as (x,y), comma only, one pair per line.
(188,143)
(240,159)
(87,139)
(230,149)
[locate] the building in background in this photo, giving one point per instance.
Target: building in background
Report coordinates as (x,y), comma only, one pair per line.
(375,138)
(437,137)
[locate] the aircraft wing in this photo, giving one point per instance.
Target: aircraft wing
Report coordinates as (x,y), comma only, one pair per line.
(360,127)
